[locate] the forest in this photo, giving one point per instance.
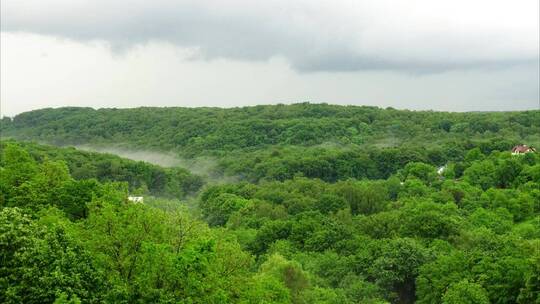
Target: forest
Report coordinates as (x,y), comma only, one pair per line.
(305,203)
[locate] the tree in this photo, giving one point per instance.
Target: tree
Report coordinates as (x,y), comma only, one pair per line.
(426,219)
(421,171)
(396,267)
(288,272)
(530,293)
(436,276)
(218,209)
(481,174)
(330,203)
(17,166)
(507,171)
(270,232)
(465,292)
(74,196)
(39,264)
(499,220)
(363,197)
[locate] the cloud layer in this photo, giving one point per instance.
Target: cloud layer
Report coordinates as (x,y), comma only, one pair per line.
(40,71)
(312,36)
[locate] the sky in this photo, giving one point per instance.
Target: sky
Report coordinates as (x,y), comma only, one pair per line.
(480,55)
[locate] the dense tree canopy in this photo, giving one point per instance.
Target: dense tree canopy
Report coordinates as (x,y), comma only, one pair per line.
(318,204)
(142,177)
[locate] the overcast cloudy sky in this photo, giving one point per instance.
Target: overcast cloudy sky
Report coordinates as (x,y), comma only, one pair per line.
(418,54)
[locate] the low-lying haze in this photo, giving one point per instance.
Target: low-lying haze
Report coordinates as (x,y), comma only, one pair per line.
(206,166)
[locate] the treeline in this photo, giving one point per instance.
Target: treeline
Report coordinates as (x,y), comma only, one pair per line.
(142,177)
(468,234)
(192,131)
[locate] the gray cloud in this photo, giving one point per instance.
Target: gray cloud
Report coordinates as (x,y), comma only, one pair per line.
(42,71)
(415,36)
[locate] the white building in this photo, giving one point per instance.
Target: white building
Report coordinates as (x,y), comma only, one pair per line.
(441,170)
(136,199)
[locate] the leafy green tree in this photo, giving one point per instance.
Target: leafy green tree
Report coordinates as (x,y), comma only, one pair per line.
(482,174)
(396,268)
(218,209)
(421,171)
(465,292)
(288,272)
(413,188)
(39,264)
(314,232)
(507,171)
(17,166)
(499,220)
(435,277)
(380,225)
(474,155)
(363,197)
(530,293)
(429,220)
(270,232)
(358,290)
(329,203)
(74,196)
(265,288)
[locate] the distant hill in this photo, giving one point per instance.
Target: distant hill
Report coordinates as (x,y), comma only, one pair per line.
(193,131)
(323,141)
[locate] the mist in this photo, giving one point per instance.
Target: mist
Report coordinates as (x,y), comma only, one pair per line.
(206,167)
(153,157)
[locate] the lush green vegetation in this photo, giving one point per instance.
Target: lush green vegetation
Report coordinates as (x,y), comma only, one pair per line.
(318,140)
(142,177)
(318,213)
(193,131)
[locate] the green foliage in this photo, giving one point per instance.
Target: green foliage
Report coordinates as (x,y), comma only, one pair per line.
(531,292)
(429,220)
(168,182)
(290,273)
(278,141)
(39,264)
(319,204)
(363,197)
(465,292)
(421,171)
(397,266)
(219,208)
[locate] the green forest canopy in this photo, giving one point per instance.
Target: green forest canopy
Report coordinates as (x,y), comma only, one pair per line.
(318,213)
(214,130)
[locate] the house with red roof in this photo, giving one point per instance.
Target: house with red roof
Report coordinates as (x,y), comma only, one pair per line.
(522,149)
